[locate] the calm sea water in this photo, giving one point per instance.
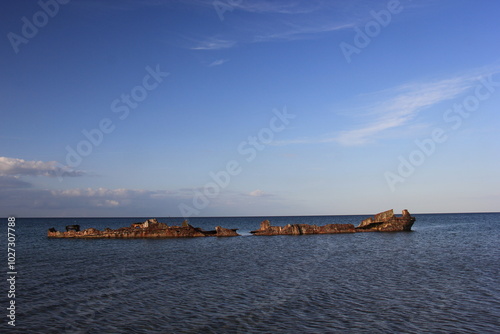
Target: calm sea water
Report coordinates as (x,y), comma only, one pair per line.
(441,278)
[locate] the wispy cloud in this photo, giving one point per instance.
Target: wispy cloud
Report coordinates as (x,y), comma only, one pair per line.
(397,106)
(218,62)
(113,6)
(404,103)
(13,182)
(104,197)
(20,167)
(22,197)
(213,43)
(301,32)
(258,193)
(264,21)
(283,7)
(279,31)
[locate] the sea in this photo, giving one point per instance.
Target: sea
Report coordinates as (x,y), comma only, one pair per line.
(442,277)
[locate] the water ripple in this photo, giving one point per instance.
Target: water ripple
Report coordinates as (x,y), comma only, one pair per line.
(441,278)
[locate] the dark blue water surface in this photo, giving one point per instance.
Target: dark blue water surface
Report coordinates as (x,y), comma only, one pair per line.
(443,277)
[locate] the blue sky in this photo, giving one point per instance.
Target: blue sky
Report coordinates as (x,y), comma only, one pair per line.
(234,108)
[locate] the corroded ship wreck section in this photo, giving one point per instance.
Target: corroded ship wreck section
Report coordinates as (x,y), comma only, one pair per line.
(151,228)
(383,222)
(298,229)
(387,222)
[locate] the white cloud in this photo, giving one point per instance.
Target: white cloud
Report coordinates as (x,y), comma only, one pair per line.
(288,7)
(396,107)
(25,200)
(264,21)
(28,201)
(257,193)
(13,182)
(17,167)
(404,103)
(301,32)
(109,203)
(218,62)
(213,43)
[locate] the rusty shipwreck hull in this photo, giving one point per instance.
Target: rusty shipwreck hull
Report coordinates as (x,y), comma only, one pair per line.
(151,228)
(387,222)
(382,222)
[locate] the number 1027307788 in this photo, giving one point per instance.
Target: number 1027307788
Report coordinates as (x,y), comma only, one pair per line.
(11,244)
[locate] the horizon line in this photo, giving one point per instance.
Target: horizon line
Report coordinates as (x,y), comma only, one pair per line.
(258,216)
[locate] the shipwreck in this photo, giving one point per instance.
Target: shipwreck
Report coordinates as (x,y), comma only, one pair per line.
(385,221)
(151,228)
(382,222)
